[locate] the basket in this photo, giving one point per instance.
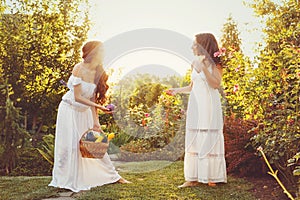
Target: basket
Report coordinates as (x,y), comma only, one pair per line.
(89,149)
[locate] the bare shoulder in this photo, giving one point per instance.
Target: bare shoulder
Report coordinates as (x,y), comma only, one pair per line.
(194,63)
(77,70)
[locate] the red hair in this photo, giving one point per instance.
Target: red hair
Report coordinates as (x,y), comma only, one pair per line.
(209,43)
(101,81)
(89,50)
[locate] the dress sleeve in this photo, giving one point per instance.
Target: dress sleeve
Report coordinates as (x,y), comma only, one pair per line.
(76,81)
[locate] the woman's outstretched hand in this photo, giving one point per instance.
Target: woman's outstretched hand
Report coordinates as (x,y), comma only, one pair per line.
(106,110)
(171,92)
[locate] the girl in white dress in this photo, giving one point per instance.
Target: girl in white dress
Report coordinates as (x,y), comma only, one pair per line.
(204,159)
(77,113)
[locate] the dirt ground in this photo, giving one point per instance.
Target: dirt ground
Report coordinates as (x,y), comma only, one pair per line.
(266,188)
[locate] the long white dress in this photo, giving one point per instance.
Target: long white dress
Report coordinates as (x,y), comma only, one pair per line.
(204,141)
(70,170)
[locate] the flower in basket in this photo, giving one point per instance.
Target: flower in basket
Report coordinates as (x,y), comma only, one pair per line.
(111,107)
(97,137)
(93,144)
(111,136)
(101,137)
(90,136)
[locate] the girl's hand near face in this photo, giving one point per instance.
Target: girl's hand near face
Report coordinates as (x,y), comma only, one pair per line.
(171,92)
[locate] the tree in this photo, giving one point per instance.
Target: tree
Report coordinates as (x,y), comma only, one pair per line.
(41,42)
(236,71)
(146,95)
(231,36)
(277,81)
(13,133)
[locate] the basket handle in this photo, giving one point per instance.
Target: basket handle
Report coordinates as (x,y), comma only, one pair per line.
(86,132)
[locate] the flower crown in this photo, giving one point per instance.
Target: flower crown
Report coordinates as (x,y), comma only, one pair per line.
(220,53)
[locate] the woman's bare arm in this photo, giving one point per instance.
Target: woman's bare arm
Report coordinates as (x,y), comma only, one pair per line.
(214,79)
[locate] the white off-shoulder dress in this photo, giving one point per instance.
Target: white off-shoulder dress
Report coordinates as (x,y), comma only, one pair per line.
(204,141)
(70,170)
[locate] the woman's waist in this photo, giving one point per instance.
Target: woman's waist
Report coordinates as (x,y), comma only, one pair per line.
(204,87)
(73,104)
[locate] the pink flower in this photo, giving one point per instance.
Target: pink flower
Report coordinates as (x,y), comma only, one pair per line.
(147,115)
(217,54)
(238,68)
(222,50)
(235,88)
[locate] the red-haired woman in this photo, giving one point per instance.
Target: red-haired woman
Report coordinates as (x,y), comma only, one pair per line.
(204,159)
(77,112)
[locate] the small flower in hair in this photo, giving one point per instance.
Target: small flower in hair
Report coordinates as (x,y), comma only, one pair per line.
(220,53)
(223,50)
(217,54)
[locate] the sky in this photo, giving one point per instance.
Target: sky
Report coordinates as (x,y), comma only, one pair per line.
(111,18)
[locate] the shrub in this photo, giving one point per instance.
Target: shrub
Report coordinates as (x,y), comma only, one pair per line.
(241,158)
(31,163)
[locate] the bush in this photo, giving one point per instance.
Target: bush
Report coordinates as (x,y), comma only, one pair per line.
(241,158)
(31,163)
(158,134)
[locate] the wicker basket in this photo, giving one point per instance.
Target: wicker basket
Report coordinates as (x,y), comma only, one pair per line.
(91,149)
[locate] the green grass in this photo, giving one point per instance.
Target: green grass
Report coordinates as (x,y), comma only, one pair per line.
(160,184)
(24,187)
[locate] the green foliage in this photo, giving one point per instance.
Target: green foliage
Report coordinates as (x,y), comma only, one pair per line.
(231,39)
(156,128)
(31,163)
(236,85)
(295,160)
(277,82)
(12,133)
(236,72)
(41,43)
(268,91)
(146,95)
(146,119)
(47,150)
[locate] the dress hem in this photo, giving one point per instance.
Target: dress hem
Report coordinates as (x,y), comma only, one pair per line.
(206,181)
(81,189)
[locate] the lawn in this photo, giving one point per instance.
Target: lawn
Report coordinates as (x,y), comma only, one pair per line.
(159,184)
